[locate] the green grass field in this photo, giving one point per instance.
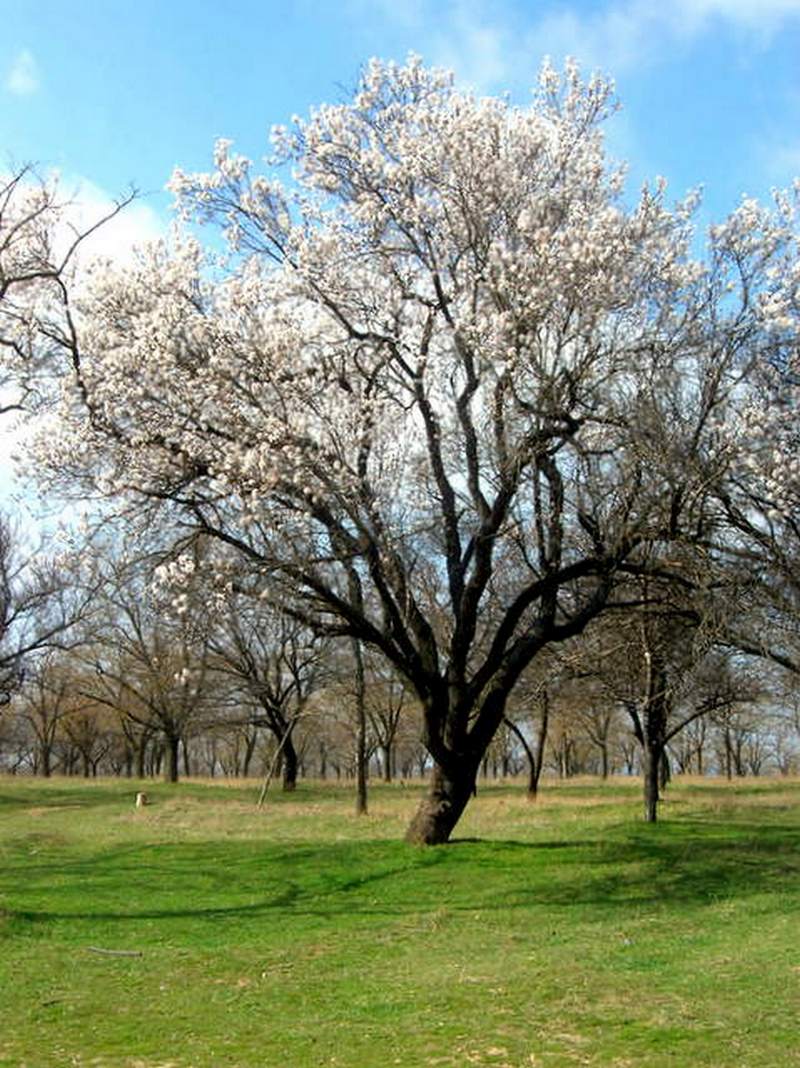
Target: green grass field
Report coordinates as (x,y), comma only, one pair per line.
(560,933)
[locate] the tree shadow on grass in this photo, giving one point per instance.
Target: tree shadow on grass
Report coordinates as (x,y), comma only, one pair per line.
(690,864)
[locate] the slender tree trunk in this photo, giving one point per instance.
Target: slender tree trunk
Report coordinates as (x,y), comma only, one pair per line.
(441,809)
(534,765)
(387,762)
(323,761)
(651,762)
(654,731)
(249,750)
(541,742)
(361,732)
(728,755)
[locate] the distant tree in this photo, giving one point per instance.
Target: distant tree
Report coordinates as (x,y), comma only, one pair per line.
(387,700)
(274,660)
(150,665)
(45,702)
(42,600)
(528,717)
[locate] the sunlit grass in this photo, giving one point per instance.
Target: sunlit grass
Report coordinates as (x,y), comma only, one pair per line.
(563,932)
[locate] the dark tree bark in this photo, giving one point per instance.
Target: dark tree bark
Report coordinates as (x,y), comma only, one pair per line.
(141,757)
(171,767)
(654,739)
(361,730)
(441,809)
(650,762)
(289,769)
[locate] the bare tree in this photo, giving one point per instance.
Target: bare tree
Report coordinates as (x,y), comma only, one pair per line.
(42,599)
(150,665)
(387,700)
(278,663)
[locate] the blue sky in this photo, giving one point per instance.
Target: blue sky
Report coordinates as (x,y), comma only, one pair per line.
(117,93)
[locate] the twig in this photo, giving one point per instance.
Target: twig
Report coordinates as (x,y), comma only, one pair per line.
(115,952)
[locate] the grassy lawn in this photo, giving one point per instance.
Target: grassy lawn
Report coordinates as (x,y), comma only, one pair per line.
(561,933)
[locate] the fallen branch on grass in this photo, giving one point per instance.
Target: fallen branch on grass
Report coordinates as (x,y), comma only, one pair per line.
(115,952)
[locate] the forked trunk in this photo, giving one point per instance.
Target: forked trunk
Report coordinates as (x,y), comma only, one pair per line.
(441,809)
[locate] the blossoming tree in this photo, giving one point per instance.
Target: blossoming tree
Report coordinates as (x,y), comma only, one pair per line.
(445,386)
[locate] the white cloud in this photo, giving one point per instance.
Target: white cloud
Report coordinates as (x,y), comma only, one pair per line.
(116,239)
(23,74)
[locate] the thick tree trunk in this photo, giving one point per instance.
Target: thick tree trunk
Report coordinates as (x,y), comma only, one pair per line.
(289,765)
(664,770)
(171,766)
(604,763)
(141,758)
(441,809)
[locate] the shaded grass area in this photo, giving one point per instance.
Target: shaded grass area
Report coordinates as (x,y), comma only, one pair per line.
(560,933)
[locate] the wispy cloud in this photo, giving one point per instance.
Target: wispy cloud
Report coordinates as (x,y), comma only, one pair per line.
(23,74)
(778,161)
(498,45)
